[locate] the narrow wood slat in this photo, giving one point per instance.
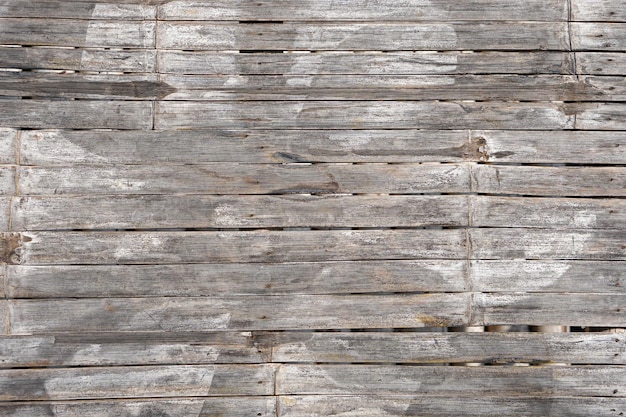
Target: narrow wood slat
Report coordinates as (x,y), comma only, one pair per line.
(602,116)
(222,178)
(492,348)
(548,244)
(215,406)
(77,10)
(223,279)
(598,10)
(132,60)
(5,213)
(54,248)
(601,63)
(447,406)
(193,211)
(83,114)
(8,146)
(77,33)
(4,316)
(7,180)
(589,147)
(118,349)
(202,314)
(545,276)
(361,115)
(136,382)
(362,10)
(598,36)
(363,36)
(63,147)
(454,381)
(550,181)
(364,62)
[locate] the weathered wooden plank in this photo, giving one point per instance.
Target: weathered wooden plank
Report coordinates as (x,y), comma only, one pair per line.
(237,313)
(194,211)
(116,349)
(83,114)
(363,36)
(205,407)
(549,181)
(455,381)
(602,116)
(547,244)
(5,213)
(7,180)
(550,213)
(361,115)
(77,10)
(601,63)
(544,276)
(448,406)
(4,317)
(224,178)
(219,279)
(128,60)
(251,246)
(136,382)
(363,10)
(63,147)
(8,146)
(549,309)
(598,36)
(77,33)
(588,147)
(403,347)
(373,63)
(598,10)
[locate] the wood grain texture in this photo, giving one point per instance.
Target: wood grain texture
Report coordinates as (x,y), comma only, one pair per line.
(362,10)
(8,146)
(7,180)
(128,60)
(450,380)
(598,36)
(82,114)
(598,10)
(202,314)
(549,181)
(361,115)
(77,33)
(193,211)
(223,178)
(448,406)
(77,10)
(5,213)
(224,279)
(364,62)
(136,382)
(602,116)
(204,407)
(4,317)
(607,63)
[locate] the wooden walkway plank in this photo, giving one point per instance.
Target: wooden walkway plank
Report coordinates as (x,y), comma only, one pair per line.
(8,146)
(363,10)
(83,114)
(602,116)
(549,181)
(212,406)
(4,315)
(361,115)
(135,382)
(7,181)
(598,36)
(434,36)
(364,62)
(222,178)
(454,381)
(598,11)
(128,60)
(194,211)
(601,63)
(88,9)
(5,213)
(204,314)
(77,33)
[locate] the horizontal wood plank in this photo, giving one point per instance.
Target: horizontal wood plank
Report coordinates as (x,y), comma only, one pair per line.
(7,181)
(364,62)
(550,181)
(77,10)
(601,63)
(223,279)
(128,60)
(362,10)
(136,382)
(215,406)
(54,248)
(598,10)
(361,115)
(403,347)
(77,33)
(456,381)
(602,116)
(598,36)
(363,36)
(8,146)
(223,178)
(202,314)
(83,114)
(193,211)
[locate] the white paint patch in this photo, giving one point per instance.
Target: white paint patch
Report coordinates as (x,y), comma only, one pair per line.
(225,216)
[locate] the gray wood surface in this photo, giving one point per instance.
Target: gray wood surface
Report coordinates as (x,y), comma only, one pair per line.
(5,213)
(8,146)
(598,10)
(598,36)
(602,116)
(606,63)
(4,317)
(77,10)
(7,180)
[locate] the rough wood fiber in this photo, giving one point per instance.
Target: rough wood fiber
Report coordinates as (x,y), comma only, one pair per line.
(598,36)
(601,63)
(598,10)
(602,116)
(5,213)
(8,146)
(7,181)
(76,10)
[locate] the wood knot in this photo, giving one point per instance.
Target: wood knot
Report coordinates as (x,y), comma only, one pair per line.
(476,149)
(11,249)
